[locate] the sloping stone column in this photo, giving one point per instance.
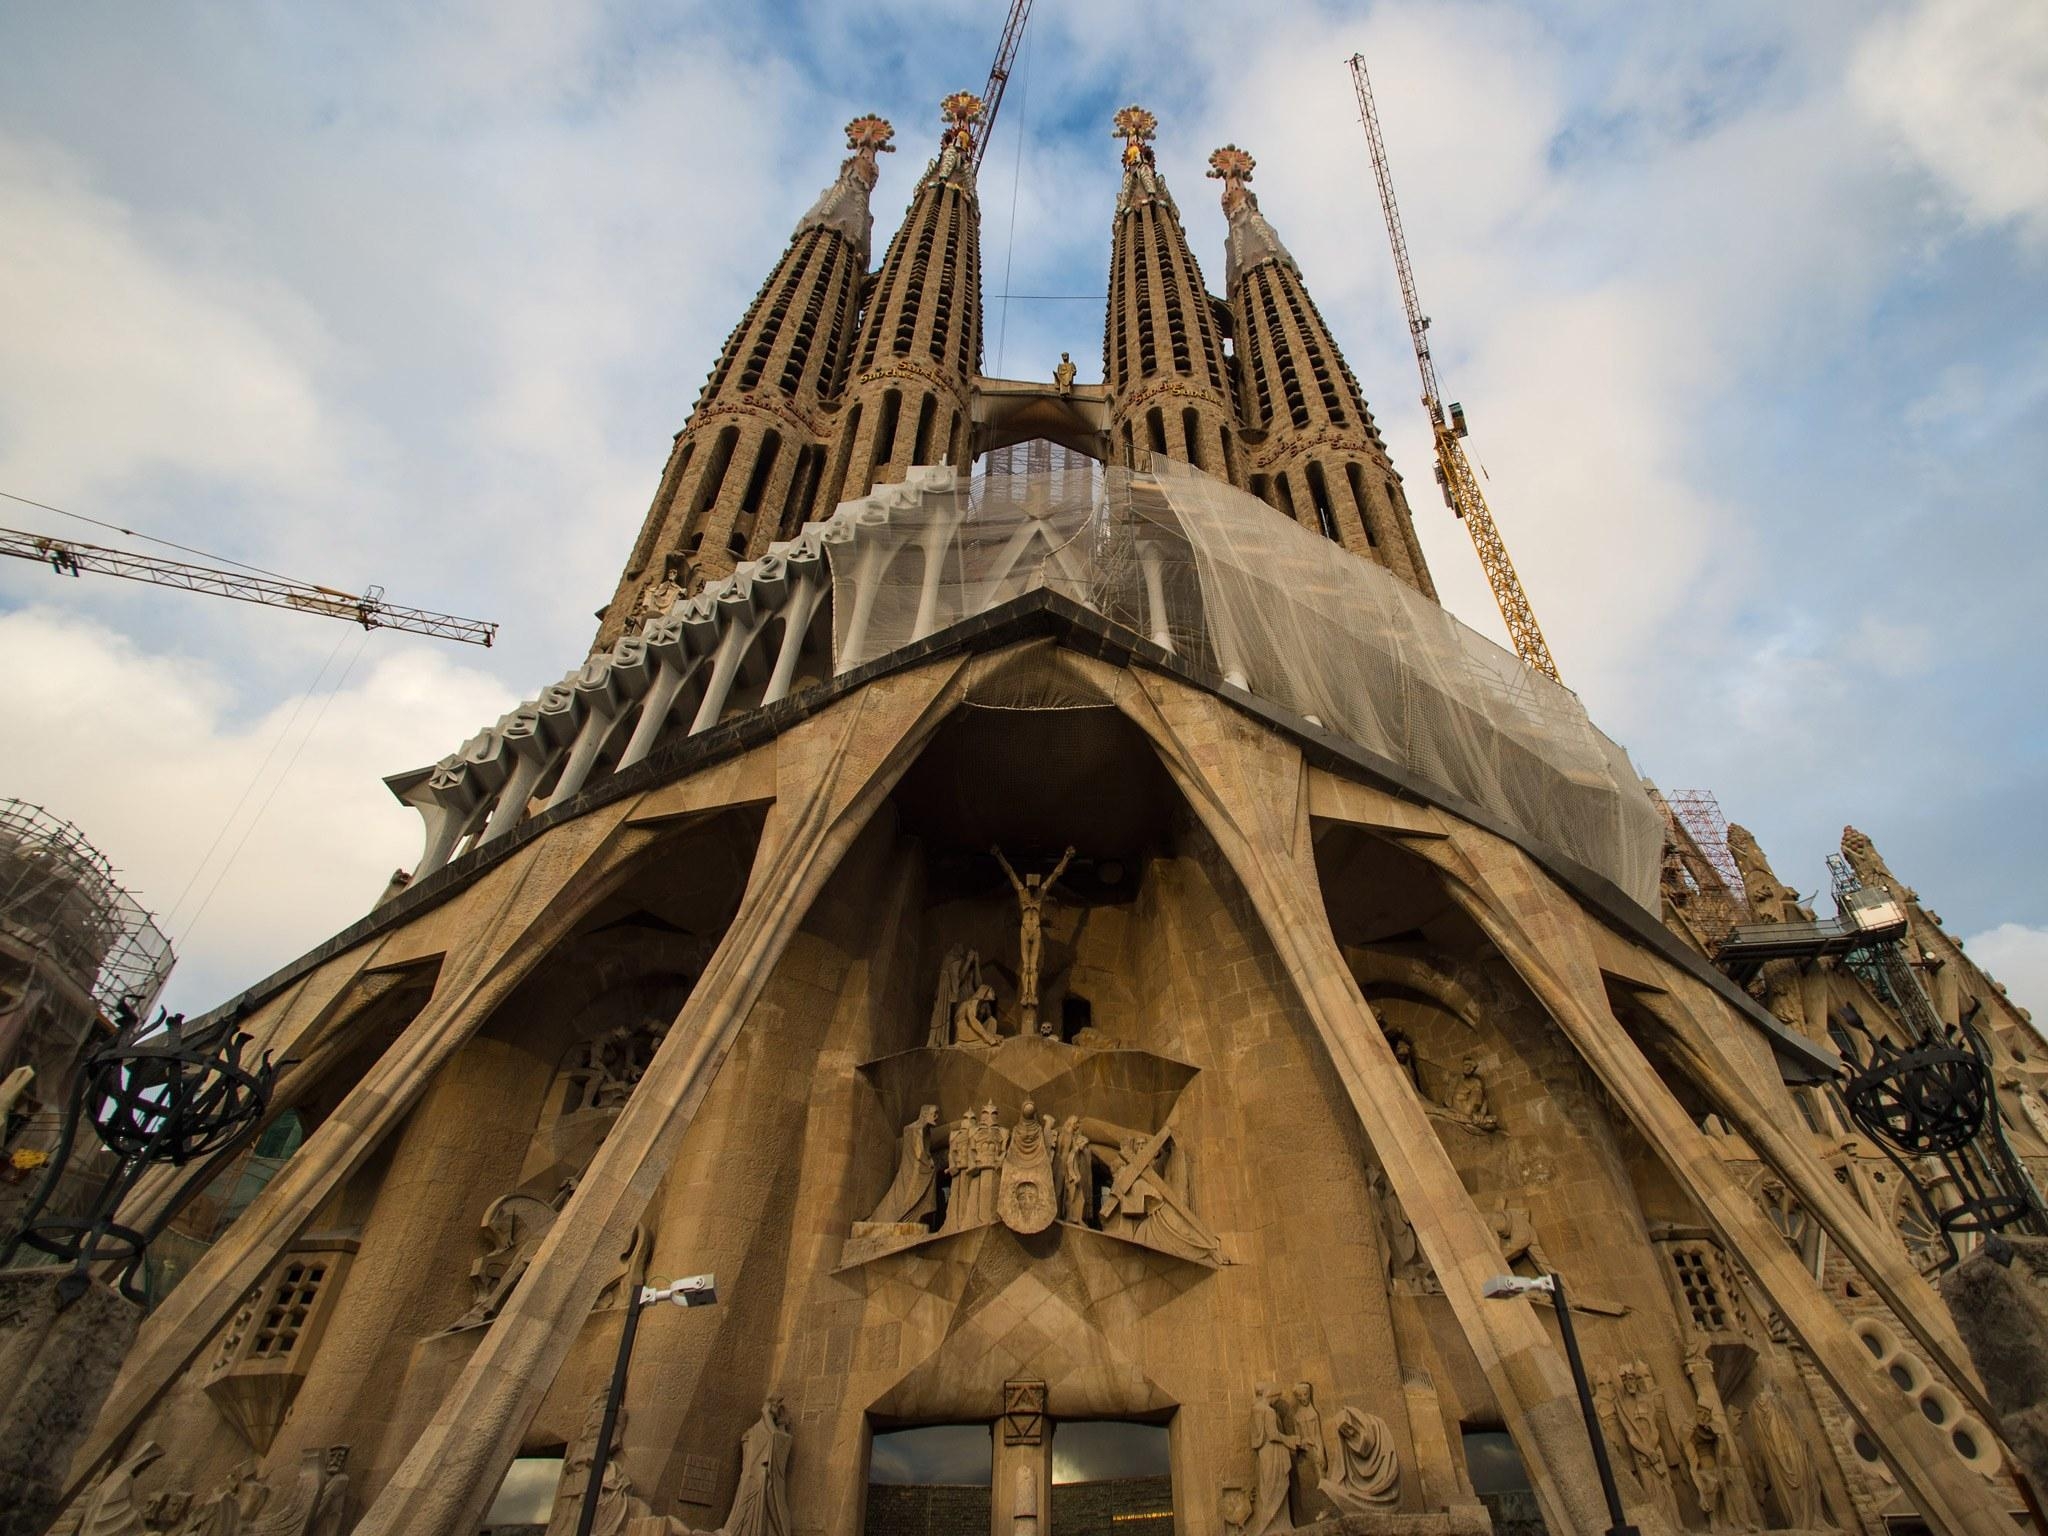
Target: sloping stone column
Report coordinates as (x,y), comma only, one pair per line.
(831,772)
(1544,935)
(495,932)
(1250,791)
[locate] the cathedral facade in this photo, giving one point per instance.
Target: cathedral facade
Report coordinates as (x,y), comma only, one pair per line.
(1105,975)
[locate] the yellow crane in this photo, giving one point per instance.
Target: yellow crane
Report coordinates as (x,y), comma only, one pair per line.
(1447,423)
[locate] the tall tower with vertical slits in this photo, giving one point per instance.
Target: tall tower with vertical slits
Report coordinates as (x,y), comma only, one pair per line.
(1313,449)
(745,469)
(919,346)
(1162,348)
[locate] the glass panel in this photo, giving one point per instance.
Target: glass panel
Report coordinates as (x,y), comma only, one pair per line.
(1111,1479)
(934,1478)
(527,1496)
(933,1453)
(1494,1463)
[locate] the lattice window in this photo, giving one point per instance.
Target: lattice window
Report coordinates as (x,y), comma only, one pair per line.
(291,1303)
(1701,1287)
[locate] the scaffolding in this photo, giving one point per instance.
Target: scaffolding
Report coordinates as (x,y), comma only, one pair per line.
(60,900)
(1701,875)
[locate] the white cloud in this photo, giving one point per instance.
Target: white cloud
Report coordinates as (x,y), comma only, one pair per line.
(140,751)
(1962,87)
(2016,955)
(122,356)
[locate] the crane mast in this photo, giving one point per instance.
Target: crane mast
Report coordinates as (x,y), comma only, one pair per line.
(1453,469)
(67,557)
(999,74)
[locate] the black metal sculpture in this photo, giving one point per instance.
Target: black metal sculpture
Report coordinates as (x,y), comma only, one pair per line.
(156,1095)
(1931,1104)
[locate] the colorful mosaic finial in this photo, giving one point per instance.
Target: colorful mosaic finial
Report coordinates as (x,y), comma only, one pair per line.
(1233,167)
(1135,126)
(961,111)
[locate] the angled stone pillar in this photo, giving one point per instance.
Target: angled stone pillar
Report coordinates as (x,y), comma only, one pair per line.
(831,772)
(1545,936)
(1250,791)
(496,931)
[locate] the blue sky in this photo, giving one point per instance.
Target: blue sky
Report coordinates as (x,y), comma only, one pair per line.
(1746,303)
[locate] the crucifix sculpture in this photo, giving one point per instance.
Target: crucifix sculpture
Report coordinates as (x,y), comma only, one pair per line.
(1032,891)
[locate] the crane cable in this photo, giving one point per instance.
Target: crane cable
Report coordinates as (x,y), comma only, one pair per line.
(1016,181)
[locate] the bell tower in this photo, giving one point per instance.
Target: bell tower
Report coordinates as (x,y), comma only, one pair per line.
(920,342)
(1162,349)
(744,470)
(1315,453)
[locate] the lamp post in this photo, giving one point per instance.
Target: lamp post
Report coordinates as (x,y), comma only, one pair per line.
(691,1291)
(1508,1287)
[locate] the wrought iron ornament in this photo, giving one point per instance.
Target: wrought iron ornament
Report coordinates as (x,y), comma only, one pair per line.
(154,1096)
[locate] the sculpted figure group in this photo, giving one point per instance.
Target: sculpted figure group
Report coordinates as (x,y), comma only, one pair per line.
(1298,1477)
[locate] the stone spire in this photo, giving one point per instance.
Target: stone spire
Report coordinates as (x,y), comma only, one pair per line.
(744,470)
(1314,451)
(1162,346)
(920,340)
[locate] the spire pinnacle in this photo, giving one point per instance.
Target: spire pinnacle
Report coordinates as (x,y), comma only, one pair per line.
(867,137)
(1136,127)
(1233,167)
(843,206)
(961,111)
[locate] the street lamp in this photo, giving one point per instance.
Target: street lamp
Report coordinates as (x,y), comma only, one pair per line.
(1507,1288)
(690,1291)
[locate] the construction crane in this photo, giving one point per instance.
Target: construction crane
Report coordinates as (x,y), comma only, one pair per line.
(999,74)
(69,558)
(1447,423)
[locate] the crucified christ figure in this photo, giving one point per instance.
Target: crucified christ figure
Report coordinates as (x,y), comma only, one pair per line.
(1032,891)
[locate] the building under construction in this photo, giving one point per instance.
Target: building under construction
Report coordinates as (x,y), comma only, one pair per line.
(1032,893)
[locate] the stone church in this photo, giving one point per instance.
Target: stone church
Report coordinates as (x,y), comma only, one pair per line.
(1032,894)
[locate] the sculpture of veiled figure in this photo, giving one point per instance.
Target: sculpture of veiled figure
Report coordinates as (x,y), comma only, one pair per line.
(1781,1451)
(761,1506)
(974,1018)
(615,1501)
(1028,1199)
(1273,1458)
(1365,1476)
(914,1195)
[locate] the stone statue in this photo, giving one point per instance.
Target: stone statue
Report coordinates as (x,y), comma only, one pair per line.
(1404,1054)
(314,1502)
(915,1194)
(991,1143)
(109,1506)
(1147,1199)
(1781,1451)
(1703,1452)
(1641,1429)
(615,1501)
(1607,1406)
(1028,1198)
(960,1170)
(232,1506)
(1312,1460)
(656,598)
(1468,1099)
(1076,1172)
(167,1511)
(1366,1478)
(1517,1234)
(1407,1270)
(761,1506)
(604,1071)
(514,1227)
(959,977)
(1710,1448)
(974,1018)
(1032,891)
(1063,376)
(1273,1455)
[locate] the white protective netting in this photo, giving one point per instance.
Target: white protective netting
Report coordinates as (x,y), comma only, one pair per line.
(1233,587)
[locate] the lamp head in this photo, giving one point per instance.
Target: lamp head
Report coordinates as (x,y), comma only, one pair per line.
(1507,1287)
